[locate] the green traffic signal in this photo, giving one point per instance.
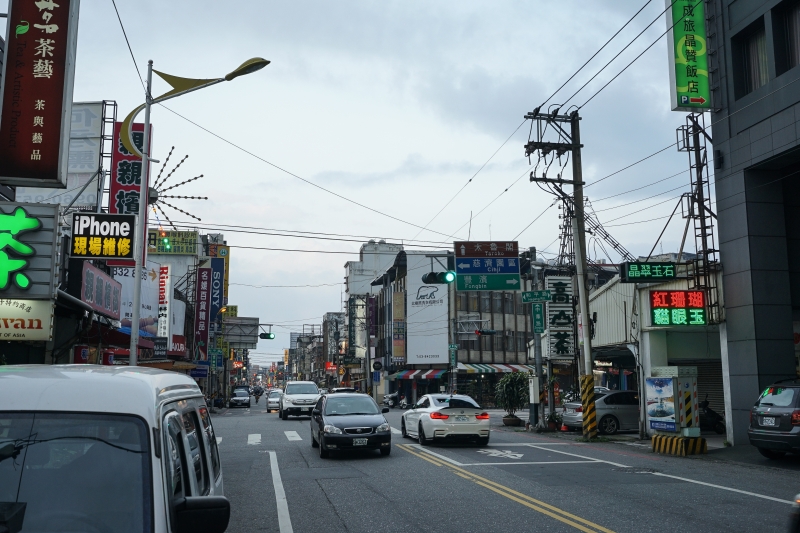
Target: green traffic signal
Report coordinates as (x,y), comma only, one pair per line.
(439,278)
(266,336)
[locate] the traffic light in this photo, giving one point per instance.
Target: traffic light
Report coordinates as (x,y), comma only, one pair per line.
(165,239)
(480,332)
(439,278)
(266,336)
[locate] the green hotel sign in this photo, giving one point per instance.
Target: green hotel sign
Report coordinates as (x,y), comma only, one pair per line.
(689,83)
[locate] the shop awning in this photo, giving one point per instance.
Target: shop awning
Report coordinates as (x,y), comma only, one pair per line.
(431,374)
(492,368)
(404,374)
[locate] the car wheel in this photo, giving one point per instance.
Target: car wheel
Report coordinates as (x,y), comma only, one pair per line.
(323,453)
(609,425)
(483,441)
(314,443)
(719,428)
(284,415)
(771,454)
(403,431)
(386,451)
(421,436)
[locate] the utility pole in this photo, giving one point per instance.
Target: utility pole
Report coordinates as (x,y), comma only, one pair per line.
(570,142)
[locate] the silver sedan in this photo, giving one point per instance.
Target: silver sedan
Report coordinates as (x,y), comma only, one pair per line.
(616,411)
(274,401)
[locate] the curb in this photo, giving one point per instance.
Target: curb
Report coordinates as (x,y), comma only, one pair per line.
(680,446)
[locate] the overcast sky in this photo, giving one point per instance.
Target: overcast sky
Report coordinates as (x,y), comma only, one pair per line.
(394,105)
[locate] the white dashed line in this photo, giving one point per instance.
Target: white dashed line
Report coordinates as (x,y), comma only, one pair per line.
(284,520)
(219,439)
(396,431)
(292,435)
(254,439)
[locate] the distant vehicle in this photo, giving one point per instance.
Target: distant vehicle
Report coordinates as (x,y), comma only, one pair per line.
(775,420)
(446,418)
(274,400)
(349,421)
(298,399)
(107,449)
(337,390)
(240,398)
(616,411)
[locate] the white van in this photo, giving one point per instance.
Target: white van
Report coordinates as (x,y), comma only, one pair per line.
(107,449)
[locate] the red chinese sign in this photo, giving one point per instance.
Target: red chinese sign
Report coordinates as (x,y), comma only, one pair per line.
(202,312)
(37,81)
(127,172)
(238,364)
(678,308)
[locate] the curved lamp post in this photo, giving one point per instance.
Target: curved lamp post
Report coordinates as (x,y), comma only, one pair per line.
(179,86)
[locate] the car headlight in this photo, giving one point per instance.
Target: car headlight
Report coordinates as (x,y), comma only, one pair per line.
(331,429)
(289,399)
(382,428)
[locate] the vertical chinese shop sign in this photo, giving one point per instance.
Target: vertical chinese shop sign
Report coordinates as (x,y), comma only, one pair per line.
(127,172)
(38,75)
(688,55)
(201,313)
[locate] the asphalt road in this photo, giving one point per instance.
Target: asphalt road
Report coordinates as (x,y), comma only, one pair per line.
(276,482)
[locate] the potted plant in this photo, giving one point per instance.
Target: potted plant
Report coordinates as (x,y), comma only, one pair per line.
(554,420)
(511,395)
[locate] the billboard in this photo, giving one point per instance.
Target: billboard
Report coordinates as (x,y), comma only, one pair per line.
(426,316)
(224,252)
(164,301)
(102,236)
(180,242)
(29,250)
(85,143)
(660,398)
(688,56)
(148,311)
(217,275)
(202,298)
(100,291)
(560,316)
(37,92)
(398,327)
(678,308)
(26,320)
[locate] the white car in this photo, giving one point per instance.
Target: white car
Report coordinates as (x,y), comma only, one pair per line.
(446,418)
(107,448)
(298,399)
(274,400)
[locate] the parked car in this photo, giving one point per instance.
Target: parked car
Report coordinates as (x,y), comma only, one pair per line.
(349,421)
(298,399)
(441,417)
(775,420)
(103,448)
(240,398)
(274,400)
(616,411)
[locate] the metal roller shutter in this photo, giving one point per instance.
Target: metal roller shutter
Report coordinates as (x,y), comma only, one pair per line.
(709,381)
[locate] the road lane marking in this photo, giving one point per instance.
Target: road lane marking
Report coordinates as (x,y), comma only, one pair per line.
(523,499)
(292,435)
(530,463)
(503,454)
(396,431)
(219,439)
(580,456)
(790,502)
(442,457)
(284,520)
(254,439)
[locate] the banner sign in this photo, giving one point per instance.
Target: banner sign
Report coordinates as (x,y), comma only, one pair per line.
(398,327)
(148,310)
(37,82)
(217,276)
(177,346)
(180,242)
(678,308)
(560,316)
(160,348)
(487,266)
(164,301)
(102,236)
(85,144)
(660,399)
(426,334)
(29,250)
(638,272)
(201,308)
(100,291)
(688,56)
(200,372)
(223,252)
(26,320)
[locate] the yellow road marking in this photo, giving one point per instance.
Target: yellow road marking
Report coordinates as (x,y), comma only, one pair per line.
(511,494)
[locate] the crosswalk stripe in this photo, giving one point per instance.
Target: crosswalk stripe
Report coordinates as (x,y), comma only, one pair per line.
(219,439)
(254,439)
(292,435)
(396,431)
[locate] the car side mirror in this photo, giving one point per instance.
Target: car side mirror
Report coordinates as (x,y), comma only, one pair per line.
(385,410)
(316,411)
(202,513)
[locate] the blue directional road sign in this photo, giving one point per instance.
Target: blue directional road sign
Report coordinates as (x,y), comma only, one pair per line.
(488,265)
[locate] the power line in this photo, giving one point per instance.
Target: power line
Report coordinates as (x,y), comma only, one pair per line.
(125,34)
(534,220)
(640,200)
(642,187)
(286,286)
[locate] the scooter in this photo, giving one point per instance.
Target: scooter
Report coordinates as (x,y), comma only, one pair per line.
(390,400)
(710,419)
(403,403)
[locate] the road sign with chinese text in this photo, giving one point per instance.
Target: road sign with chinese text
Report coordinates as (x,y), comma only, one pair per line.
(487,266)
(689,83)
(537,316)
(678,308)
(560,316)
(535,296)
(486,249)
(637,272)
(488,282)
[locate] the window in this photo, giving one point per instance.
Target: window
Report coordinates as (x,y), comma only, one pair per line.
(498,343)
(474,307)
(196,455)
(301,388)
(509,303)
(521,308)
(486,306)
(521,344)
(212,438)
(468,344)
(461,302)
(486,343)
(787,36)
(423,403)
(497,302)
(511,346)
(351,405)
(750,59)
(776,397)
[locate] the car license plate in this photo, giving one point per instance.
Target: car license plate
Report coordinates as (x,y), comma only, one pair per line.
(768,421)
(568,410)
(306,408)
(359,442)
(462,419)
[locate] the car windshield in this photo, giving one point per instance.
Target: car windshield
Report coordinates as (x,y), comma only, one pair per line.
(274,394)
(241,393)
(352,405)
(76,472)
(456,403)
(777,397)
(301,388)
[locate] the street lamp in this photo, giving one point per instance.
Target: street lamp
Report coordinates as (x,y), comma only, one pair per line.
(179,86)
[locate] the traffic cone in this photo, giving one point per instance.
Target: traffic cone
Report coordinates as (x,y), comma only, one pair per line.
(564,427)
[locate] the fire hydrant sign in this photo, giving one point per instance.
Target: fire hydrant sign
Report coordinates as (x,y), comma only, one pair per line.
(102,236)
(37,80)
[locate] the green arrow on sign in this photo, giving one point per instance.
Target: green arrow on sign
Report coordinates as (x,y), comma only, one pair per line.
(488,282)
(537,316)
(536,296)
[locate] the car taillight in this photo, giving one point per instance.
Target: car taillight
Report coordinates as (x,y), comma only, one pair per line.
(796,417)
(482,416)
(436,415)
(579,409)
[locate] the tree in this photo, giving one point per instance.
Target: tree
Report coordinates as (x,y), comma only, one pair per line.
(511,393)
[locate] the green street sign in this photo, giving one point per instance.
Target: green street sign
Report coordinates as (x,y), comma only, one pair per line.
(488,282)
(689,84)
(637,272)
(454,346)
(453,359)
(536,296)
(537,316)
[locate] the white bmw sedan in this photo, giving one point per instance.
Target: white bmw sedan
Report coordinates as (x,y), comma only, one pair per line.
(439,417)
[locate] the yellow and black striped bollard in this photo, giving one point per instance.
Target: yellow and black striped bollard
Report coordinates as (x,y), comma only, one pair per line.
(587,401)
